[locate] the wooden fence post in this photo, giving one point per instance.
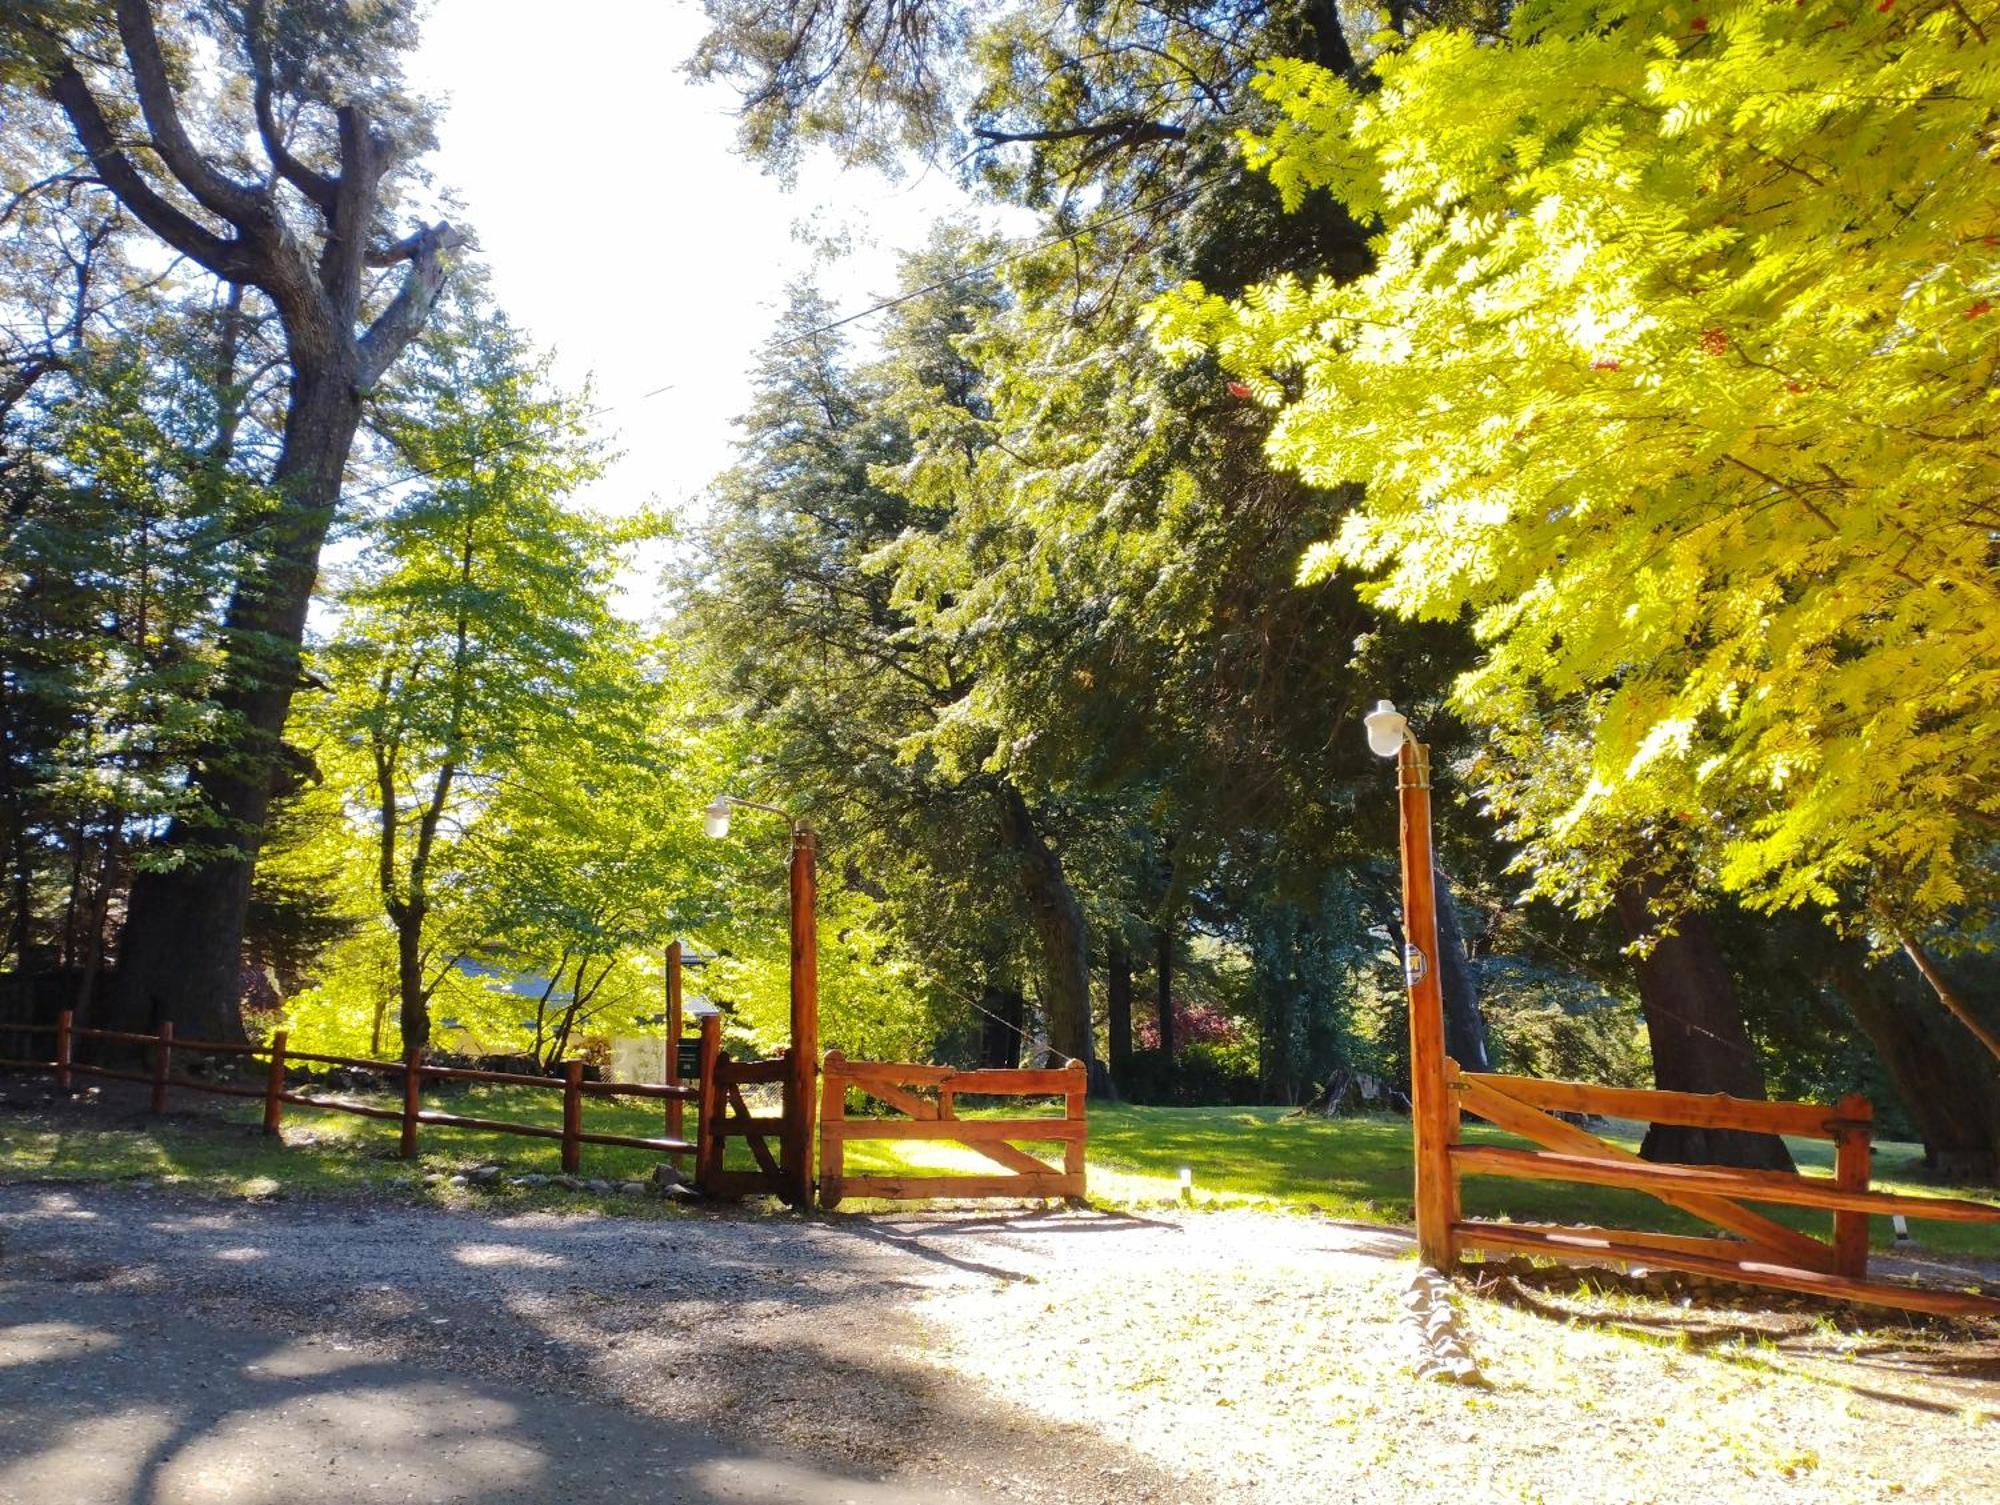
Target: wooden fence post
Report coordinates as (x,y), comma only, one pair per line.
(1075,1101)
(163,1056)
(1852,1154)
(708,1106)
(1429,1111)
(803,1078)
(676,1124)
(413,1081)
(64,1045)
(832,1113)
(274,1083)
(572,1147)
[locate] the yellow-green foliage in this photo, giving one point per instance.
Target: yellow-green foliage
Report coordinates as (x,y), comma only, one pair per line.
(1676,369)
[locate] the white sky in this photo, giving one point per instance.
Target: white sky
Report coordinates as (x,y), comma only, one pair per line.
(623,230)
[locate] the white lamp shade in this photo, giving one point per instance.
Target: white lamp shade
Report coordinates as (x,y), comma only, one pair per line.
(1387,727)
(715,819)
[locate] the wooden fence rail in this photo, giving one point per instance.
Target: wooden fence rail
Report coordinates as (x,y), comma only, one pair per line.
(935,1117)
(1762,1252)
(410,1074)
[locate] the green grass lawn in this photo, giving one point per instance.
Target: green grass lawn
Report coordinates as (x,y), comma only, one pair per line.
(1350,1168)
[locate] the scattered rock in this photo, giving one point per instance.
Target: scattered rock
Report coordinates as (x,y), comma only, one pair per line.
(457,1181)
(483,1175)
(531,1180)
(666,1173)
(632,1188)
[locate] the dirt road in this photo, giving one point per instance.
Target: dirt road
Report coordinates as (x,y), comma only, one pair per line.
(159,1348)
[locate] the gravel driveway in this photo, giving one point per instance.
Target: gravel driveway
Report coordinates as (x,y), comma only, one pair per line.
(305,1351)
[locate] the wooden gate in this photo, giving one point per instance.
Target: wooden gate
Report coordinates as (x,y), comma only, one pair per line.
(1762,1251)
(725,1115)
(927,1096)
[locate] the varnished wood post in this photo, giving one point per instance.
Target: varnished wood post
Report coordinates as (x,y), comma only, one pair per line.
(800,1107)
(1851,1164)
(163,1057)
(676,1122)
(1075,1102)
(832,1113)
(572,1146)
(1430,1106)
(708,1106)
(274,1083)
(65,1044)
(413,1081)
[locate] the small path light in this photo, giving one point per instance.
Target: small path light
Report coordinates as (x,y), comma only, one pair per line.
(1187,1183)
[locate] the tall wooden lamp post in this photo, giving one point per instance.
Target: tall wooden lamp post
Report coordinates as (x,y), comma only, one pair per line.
(1431,1110)
(802,1082)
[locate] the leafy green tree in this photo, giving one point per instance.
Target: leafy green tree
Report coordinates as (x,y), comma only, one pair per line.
(472,637)
(1670,371)
(285,181)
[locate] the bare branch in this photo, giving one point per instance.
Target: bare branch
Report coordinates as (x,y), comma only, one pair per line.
(228,258)
(316,186)
(243,206)
(399,323)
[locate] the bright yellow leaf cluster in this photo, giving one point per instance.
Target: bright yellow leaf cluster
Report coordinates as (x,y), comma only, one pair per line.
(1677,369)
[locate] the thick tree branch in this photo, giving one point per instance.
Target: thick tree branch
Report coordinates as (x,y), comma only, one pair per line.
(228,258)
(242,205)
(316,186)
(1124,131)
(1949,996)
(399,323)
(364,156)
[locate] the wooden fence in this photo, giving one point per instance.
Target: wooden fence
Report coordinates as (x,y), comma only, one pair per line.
(1761,1250)
(928,1095)
(161,1050)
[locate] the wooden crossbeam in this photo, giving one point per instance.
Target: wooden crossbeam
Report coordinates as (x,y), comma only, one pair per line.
(1493,1104)
(1711,1110)
(1782,1187)
(1559,1245)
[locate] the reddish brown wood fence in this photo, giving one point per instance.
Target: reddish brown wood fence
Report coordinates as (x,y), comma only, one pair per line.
(928,1096)
(1761,1251)
(161,1050)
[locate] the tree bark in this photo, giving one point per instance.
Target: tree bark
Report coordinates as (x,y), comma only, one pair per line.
(1950,1093)
(1695,1025)
(1464,1029)
(1059,928)
(1118,1005)
(180,954)
(1163,987)
(1002,1025)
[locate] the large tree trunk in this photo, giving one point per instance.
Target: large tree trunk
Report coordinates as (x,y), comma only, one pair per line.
(1949,1090)
(1003,1022)
(181,951)
(1696,1029)
(1464,1029)
(1059,927)
(1118,1004)
(1163,987)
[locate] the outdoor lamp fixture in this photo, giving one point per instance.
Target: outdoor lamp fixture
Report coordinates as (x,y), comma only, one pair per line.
(802,1080)
(1387,729)
(1431,1114)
